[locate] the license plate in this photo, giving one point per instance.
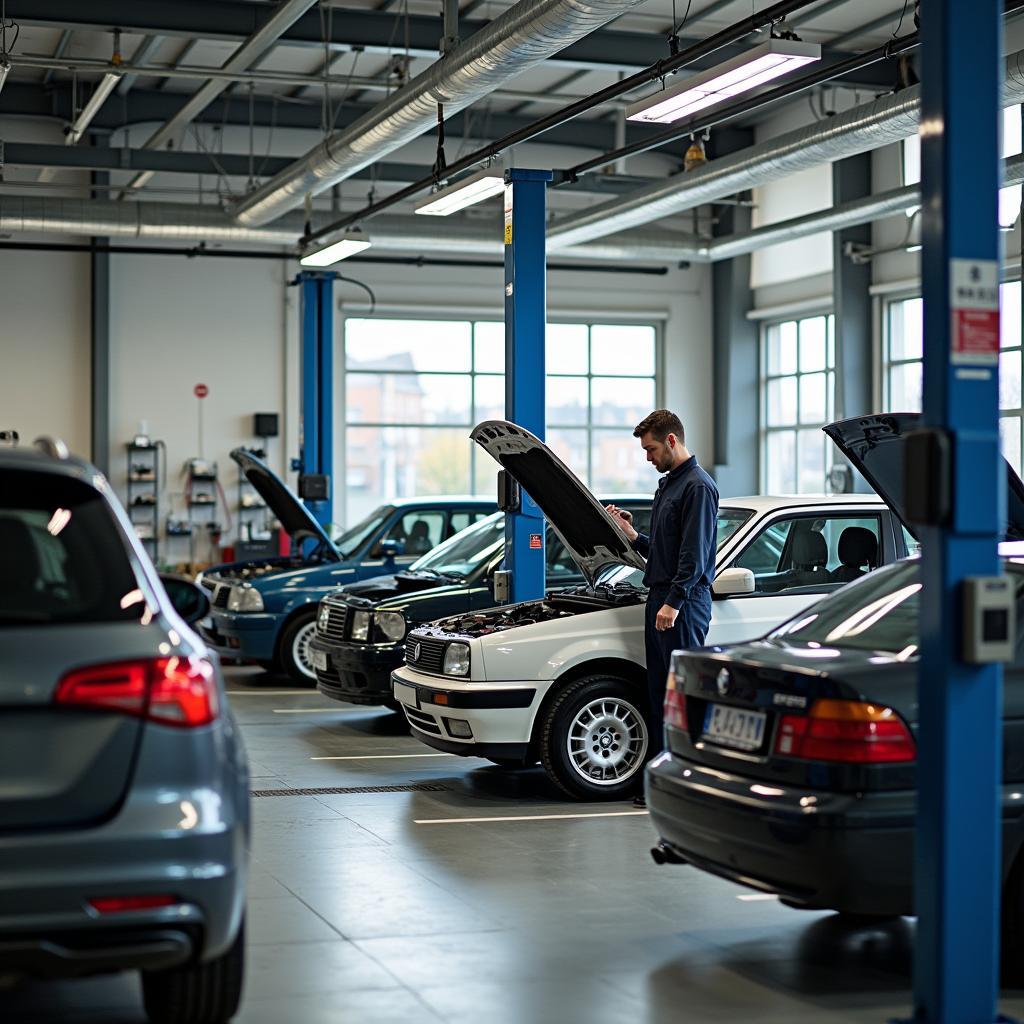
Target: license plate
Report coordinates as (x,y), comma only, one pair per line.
(734,727)
(405,694)
(318,659)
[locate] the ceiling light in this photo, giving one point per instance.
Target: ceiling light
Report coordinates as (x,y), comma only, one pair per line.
(5,70)
(92,108)
(463,193)
(341,248)
(763,63)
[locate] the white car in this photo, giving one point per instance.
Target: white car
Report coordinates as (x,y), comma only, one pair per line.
(562,680)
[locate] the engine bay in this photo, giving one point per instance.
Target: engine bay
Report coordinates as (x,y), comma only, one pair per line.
(255,570)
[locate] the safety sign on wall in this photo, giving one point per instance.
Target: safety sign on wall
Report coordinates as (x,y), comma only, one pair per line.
(508,214)
(974,307)
(536,541)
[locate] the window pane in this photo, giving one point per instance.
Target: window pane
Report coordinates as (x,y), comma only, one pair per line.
(780,458)
(400,462)
(905,388)
(621,401)
(781,409)
(489,347)
(906,329)
(622,350)
(567,399)
(490,399)
(407,398)
(407,344)
(812,344)
(571,447)
(813,398)
(620,465)
(1009,315)
(831,340)
(418,531)
(811,466)
(566,348)
(782,348)
(1009,380)
(1009,440)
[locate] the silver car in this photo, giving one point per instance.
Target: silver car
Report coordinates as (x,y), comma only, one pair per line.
(124,806)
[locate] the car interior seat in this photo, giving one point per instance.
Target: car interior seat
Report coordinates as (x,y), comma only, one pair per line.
(418,541)
(858,547)
(810,556)
(20,571)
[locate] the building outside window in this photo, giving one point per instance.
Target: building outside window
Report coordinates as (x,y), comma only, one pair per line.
(415,388)
(797,398)
(904,341)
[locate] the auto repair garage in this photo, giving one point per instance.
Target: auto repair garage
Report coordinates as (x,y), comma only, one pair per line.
(347,561)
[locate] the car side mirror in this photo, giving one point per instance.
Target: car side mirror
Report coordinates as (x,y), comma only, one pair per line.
(188,600)
(733,581)
(390,548)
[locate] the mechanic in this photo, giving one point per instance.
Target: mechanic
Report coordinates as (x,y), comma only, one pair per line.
(680,553)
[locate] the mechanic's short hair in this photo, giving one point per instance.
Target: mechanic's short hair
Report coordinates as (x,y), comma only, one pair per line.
(660,424)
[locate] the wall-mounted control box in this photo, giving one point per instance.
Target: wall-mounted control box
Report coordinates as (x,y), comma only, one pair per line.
(503,586)
(990,619)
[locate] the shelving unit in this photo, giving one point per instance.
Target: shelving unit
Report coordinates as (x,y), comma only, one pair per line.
(143,495)
(201,503)
(252,509)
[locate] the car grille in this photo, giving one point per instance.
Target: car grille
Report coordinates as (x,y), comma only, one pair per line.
(422,721)
(431,653)
(335,628)
(221,595)
(207,584)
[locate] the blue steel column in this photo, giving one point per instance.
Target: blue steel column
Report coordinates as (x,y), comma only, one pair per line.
(525,323)
(960,741)
(316,430)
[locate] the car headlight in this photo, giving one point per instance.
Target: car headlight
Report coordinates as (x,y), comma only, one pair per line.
(245,599)
(456,660)
(361,625)
(322,617)
(392,625)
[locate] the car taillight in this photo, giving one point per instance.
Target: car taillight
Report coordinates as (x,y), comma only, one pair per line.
(675,704)
(178,691)
(846,731)
(123,904)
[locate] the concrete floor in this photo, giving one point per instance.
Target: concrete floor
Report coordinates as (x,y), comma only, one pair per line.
(393,907)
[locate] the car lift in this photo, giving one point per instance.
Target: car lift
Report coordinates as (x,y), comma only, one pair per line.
(954,476)
(316,424)
(525,324)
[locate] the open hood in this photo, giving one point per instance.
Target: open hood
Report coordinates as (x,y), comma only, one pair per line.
(874,444)
(296,519)
(585,528)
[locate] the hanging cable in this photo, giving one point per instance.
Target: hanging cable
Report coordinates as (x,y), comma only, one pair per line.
(440,163)
(366,288)
(673,36)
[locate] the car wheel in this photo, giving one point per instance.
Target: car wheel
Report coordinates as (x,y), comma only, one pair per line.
(593,741)
(201,993)
(294,650)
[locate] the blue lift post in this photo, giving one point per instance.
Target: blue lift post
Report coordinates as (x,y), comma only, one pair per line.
(957,869)
(525,323)
(316,431)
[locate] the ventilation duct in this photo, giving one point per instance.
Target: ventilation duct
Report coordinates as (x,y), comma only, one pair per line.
(517,40)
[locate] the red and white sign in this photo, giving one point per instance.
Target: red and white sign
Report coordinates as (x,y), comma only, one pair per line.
(536,541)
(200,391)
(974,307)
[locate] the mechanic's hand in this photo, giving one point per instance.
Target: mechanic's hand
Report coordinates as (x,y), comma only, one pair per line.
(624,519)
(666,617)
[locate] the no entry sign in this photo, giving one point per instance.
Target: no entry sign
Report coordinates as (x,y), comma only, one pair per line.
(200,391)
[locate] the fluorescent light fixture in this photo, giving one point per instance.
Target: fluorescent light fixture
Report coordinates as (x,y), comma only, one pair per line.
(92,108)
(5,70)
(465,192)
(340,249)
(762,64)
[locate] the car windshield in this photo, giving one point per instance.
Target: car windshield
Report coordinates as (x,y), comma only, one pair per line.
(466,551)
(352,540)
(62,556)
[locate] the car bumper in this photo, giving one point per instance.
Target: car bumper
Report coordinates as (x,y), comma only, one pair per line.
(357,673)
(498,718)
(252,635)
(847,852)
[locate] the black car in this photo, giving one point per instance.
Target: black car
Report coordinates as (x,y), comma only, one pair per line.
(790,761)
(361,627)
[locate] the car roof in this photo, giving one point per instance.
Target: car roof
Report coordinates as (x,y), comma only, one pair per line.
(31,457)
(441,499)
(762,503)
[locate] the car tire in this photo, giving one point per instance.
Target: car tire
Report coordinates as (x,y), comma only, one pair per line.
(1011,940)
(293,650)
(201,993)
(574,749)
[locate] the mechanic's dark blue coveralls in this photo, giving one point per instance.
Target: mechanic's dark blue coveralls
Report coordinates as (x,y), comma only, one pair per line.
(680,553)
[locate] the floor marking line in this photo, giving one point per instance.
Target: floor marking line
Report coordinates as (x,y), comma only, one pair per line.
(272,693)
(376,757)
(313,711)
(758,896)
(525,817)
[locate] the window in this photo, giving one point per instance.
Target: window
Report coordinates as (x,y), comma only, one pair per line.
(797,388)
(904,346)
(415,388)
(418,531)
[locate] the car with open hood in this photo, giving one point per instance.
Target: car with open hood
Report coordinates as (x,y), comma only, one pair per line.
(265,611)
(790,761)
(361,627)
(549,679)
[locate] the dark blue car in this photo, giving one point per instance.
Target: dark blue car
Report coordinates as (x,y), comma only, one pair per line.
(265,611)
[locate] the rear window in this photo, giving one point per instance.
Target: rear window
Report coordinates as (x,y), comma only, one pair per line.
(62,557)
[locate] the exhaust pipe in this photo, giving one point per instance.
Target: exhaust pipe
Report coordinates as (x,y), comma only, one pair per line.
(664,854)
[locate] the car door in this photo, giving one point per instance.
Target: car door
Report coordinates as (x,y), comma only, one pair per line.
(795,558)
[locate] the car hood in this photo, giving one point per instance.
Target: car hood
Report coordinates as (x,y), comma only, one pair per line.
(875,445)
(296,519)
(588,532)
(372,592)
